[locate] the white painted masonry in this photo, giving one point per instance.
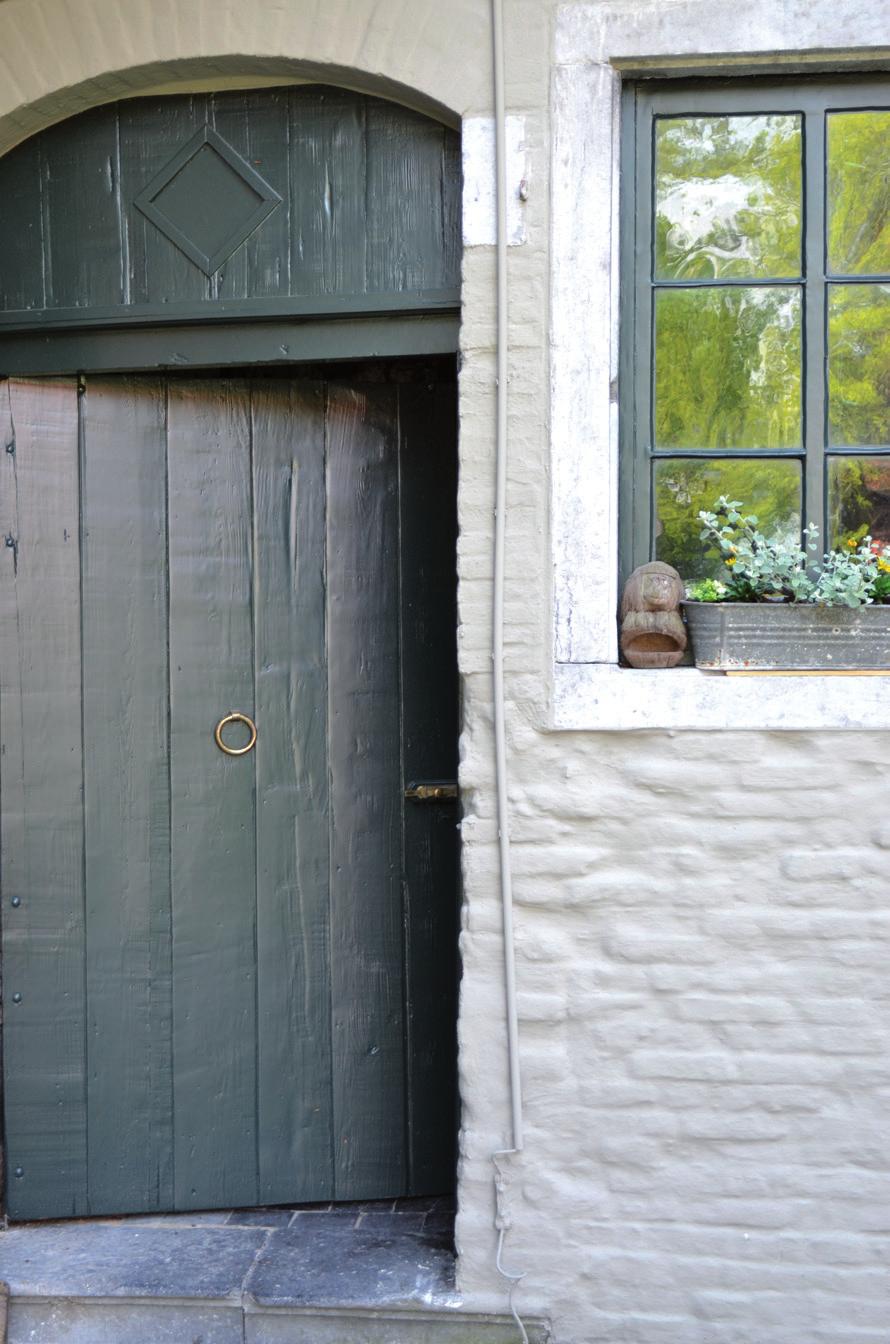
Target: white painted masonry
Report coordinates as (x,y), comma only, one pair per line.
(703,923)
(479,205)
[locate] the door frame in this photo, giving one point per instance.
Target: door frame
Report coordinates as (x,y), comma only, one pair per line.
(122,348)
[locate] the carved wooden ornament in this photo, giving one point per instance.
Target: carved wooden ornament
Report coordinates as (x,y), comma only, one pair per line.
(652,629)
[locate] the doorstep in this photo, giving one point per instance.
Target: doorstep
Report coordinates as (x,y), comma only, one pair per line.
(375,1273)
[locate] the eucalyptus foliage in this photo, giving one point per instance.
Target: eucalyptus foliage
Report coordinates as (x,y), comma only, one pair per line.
(765,569)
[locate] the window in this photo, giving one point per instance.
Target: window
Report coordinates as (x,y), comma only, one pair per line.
(756,312)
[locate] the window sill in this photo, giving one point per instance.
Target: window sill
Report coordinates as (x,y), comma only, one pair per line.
(602,697)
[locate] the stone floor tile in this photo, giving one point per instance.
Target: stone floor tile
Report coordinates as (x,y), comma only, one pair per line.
(344,1217)
(259,1218)
(321,1261)
(398,1223)
(168,1220)
(417,1204)
(69,1321)
(82,1259)
(267,1326)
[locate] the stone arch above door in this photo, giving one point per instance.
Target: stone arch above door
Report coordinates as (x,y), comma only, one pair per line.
(63,56)
(298,200)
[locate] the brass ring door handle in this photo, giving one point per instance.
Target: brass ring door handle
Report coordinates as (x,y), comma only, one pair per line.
(235,718)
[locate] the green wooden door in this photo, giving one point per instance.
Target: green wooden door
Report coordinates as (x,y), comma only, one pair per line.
(229,980)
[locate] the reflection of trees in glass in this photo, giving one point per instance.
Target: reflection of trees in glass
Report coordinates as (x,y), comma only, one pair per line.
(859,499)
(728,205)
(859,193)
(768,488)
(727,368)
(727,197)
(859,364)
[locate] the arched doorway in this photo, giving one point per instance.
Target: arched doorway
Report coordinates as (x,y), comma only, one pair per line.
(229,487)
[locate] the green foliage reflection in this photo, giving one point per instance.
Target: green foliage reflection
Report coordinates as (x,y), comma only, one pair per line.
(772,490)
(727,197)
(859,365)
(728,205)
(859,499)
(727,368)
(859,193)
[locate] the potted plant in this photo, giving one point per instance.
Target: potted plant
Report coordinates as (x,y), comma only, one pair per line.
(775,610)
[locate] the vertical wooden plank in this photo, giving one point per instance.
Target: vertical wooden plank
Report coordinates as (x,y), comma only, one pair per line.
(404,199)
(327,151)
(82,212)
(293,861)
(41,762)
(257,124)
(428,539)
(452,205)
(212,796)
(21,234)
(363,716)
(126,795)
(151,132)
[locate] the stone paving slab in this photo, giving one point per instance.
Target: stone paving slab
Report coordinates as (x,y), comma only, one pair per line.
(324,1260)
(363,1327)
(114,1321)
(86,1259)
(371,1253)
(107,1321)
(267,1218)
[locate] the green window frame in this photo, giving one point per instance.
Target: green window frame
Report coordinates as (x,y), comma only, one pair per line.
(673,313)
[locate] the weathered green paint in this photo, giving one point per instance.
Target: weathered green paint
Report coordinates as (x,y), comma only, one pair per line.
(212,802)
(293,842)
(363,718)
(218,344)
(41,784)
(235,987)
(369,194)
(126,801)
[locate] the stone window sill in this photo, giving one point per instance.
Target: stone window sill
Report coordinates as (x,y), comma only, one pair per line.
(602,697)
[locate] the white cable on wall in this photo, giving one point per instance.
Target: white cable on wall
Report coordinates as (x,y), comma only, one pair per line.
(500,531)
(502,1216)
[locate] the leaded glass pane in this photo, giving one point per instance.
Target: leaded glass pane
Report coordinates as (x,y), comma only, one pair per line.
(770,489)
(858,193)
(727,367)
(858,499)
(728,197)
(859,365)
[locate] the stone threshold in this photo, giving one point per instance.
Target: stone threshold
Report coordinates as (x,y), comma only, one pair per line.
(132,1320)
(367,1273)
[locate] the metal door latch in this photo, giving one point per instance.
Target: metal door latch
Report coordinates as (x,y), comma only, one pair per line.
(438,791)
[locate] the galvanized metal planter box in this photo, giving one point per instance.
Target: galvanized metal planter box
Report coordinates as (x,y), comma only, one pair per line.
(765,636)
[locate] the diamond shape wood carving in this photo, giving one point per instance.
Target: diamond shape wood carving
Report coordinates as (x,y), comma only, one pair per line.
(207,200)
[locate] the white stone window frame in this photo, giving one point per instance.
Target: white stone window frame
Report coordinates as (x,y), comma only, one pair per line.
(596,46)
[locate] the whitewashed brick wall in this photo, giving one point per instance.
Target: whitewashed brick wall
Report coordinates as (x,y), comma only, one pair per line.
(703,941)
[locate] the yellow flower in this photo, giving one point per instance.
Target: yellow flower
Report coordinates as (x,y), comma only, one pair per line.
(731,561)
(884,566)
(852,545)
